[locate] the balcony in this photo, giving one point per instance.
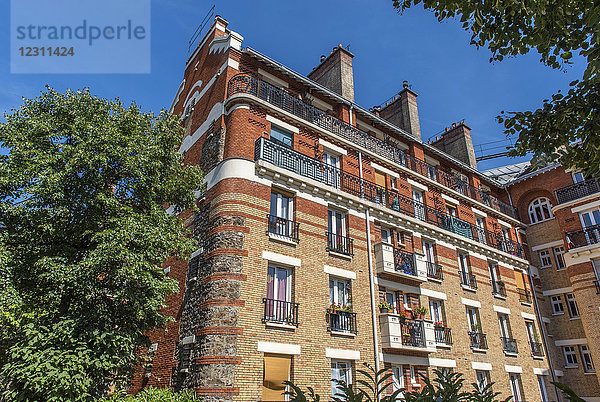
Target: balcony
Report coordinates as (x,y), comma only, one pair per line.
(509,345)
(537,349)
(577,191)
(314,169)
(524,295)
(395,261)
(443,335)
(341,322)
(585,237)
(248,84)
(280,312)
(498,288)
(478,341)
(281,228)
(434,271)
(340,244)
(414,335)
(467,280)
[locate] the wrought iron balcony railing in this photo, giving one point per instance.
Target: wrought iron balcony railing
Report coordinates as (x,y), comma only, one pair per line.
(509,345)
(577,191)
(467,279)
(283,227)
(478,340)
(314,169)
(443,335)
(340,244)
(246,83)
(537,349)
(498,288)
(524,295)
(404,262)
(434,271)
(585,237)
(341,321)
(280,312)
(413,333)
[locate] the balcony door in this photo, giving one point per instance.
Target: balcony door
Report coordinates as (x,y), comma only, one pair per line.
(473,320)
(589,221)
(381,187)
(279,294)
(339,291)
(331,167)
(495,277)
(419,206)
(480,229)
(435,309)
(281,215)
(336,225)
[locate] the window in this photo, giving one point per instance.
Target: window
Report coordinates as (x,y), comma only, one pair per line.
(590,218)
(278,306)
(498,287)
(542,387)
(276,370)
(504,325)
(515,387)
(463,262)
(281,136)
(557,306)
(337,240)
(586,359)
(540,210)
(570,356)
(451,210)
(339,291)
(483,380)
(436,311)
(393,182)
(480,229)
(394,300)
(385,236)
(341,370)
(473,319)
(466,278)
(559,257)
(418,201)
(429,251)
(432,172)
(572,305)
(331,169)
(281,215)
(398,378)
(578,177)
(545,260)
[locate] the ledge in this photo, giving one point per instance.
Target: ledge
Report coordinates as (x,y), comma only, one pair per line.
(346,334)
(340,255)
(468,288)
(282,239)
(281,326)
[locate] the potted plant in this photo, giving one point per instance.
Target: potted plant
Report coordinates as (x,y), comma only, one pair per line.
(384,307)
(347,308)
(420,311)
(403,315)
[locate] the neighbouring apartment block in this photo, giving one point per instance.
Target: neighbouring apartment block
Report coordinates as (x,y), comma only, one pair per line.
(561,211)
(330,236)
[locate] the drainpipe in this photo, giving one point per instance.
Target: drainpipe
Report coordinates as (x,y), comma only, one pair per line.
(350,116)
(543,331)
(371,275)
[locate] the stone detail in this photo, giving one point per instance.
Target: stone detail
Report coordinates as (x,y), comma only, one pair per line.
(213,148)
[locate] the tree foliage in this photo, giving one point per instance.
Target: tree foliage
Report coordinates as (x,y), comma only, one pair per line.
(558,31)
(84,229)
(156,395)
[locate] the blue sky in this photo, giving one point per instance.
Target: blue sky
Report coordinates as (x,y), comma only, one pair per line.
(454,80)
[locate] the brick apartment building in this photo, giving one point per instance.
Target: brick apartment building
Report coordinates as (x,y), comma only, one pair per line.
(317,211)
(561,210)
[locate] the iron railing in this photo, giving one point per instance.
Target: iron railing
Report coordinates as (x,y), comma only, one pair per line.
(498,288)
(467,279)
(413,333)
(537,349)
(434,271)
(585,237)
(524,295)
(509,345)
(246,83)
(341,321)
(283,227)
(340,244)
(478,340)
(404,262)
(443,335)
(280,311)
(315,169)
(577,190)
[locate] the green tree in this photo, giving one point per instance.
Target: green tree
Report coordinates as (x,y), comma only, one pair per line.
(557,30)
(83,191)
(156,395)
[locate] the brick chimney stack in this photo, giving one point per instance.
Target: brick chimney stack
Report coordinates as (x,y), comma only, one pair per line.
(456,141)
(402,111)
(335,72)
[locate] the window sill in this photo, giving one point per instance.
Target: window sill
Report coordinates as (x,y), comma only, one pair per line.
(499,297)
(555,314)
(589,373)
(340,255)
(575,318)
(434,280)
(527,304)
(509,354)
(538,357)
(479,350)
(282,239)
(278,325)
(443,345)
(571,367)
(468,288)
(346,334)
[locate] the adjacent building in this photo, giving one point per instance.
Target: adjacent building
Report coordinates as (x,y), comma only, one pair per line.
(330,236)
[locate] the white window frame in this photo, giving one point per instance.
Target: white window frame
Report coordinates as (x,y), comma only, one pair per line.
(557,305)
(436,310)
(482,378)
(281,130)
(545,260)
(288,283)
(542,387)
(559,257)
(418,196)
(280,206)
(572,305)
(429,250)
(398,379)
(334,290)
(541,206)
(473,319)
(387,239)
(586,359)
(515,387)
(570,355)
(347,368)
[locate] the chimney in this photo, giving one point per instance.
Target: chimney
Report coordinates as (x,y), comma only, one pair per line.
(402,111)
(456,141)
(335,72)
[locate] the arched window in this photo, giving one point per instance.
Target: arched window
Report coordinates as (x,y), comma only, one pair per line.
(540,210)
